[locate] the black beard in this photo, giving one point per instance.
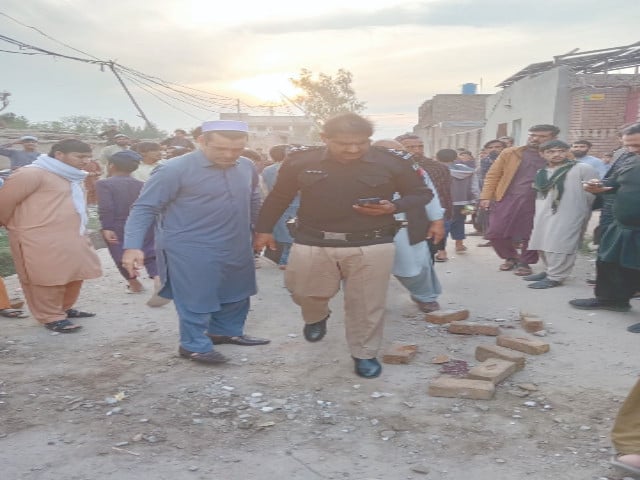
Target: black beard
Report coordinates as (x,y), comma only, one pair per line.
(579,154)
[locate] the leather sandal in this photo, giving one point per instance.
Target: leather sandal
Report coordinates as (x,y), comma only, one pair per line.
(438,257)
(63,326)
(12,313)
(509,264)
(73,313)
(522,270)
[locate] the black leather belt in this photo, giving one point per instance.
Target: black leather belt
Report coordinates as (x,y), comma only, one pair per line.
(349,237)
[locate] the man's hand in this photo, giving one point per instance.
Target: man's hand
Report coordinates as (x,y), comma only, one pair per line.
(595,186)
(484,204)
(385,207)
(110,236)
(436,231)
(262,240)
(132,261)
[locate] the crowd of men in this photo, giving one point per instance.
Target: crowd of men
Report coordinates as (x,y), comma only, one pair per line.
(354,213)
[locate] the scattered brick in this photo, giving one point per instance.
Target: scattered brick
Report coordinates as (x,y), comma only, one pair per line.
(452,387)
(523,344)
(474,328)
(440,359)
(493,370)
(441,317)
(485,352)
(399,353)
(531,323)
(530,387)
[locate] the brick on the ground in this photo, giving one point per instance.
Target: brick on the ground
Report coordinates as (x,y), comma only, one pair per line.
(452,387)
(465,327)
(441,317)
(523,344)
(530,322)
(493,370)
(398,353)
(485,352)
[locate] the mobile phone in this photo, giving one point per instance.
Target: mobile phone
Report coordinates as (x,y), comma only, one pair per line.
(369,201)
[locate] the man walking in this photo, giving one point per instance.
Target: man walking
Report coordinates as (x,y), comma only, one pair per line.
(43,207)
(413,264)
(280,231)
(508,183)
(563,209)
(625,434)
(206,202)
(345,230)
(438,174)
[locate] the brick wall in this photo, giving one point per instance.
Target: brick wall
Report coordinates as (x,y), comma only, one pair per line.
(599,107)
(446,108)
(442,108)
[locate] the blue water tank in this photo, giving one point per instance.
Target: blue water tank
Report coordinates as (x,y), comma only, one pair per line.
(469,88)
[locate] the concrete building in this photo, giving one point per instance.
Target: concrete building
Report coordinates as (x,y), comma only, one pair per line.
(577,92)
(268,130)
(452,121)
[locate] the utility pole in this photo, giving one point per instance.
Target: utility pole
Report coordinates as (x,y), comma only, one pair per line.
(238,109)
(133,100)
(4,100)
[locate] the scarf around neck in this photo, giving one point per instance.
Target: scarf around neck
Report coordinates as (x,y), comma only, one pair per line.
(544,184)
(74,176)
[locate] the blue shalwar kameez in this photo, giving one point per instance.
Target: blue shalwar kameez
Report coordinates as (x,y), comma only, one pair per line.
(203,242)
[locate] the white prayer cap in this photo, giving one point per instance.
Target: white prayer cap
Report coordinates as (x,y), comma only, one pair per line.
(225,125)
(28,138)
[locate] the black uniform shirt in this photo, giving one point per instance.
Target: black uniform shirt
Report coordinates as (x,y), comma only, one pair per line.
(329,189)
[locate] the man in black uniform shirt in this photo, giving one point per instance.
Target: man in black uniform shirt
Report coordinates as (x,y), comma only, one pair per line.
(336,239)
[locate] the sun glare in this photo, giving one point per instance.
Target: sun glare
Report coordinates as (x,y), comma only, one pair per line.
(267,87)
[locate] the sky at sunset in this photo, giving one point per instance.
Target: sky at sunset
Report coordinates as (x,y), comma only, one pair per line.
(400,52)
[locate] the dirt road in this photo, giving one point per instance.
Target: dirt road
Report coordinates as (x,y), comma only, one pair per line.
(116,402)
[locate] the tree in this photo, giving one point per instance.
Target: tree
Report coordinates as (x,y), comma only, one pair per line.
(83,124)
(146,132)
(326,96)
(11,120)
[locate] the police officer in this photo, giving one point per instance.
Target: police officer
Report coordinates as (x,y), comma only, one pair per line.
(345,230)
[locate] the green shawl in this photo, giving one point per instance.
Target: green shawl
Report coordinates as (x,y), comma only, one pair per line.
(544,184)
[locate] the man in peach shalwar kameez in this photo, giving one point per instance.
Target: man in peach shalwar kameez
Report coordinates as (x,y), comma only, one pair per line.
(43,207)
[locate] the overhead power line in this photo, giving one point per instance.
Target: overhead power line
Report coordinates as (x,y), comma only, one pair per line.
(165,91)
(47,36)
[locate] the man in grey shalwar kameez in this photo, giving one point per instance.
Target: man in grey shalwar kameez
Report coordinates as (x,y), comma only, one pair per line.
(563,210)
(206,202)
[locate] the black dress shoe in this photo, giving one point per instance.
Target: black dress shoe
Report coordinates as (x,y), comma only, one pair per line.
(210,358)
(596,304)
(367,367)
(314,332)
(244,340)
(546,283)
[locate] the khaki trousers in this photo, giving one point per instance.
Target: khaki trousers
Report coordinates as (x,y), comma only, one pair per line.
(4,296)
(313,277)
(49,303)
(558,265)
(626,429)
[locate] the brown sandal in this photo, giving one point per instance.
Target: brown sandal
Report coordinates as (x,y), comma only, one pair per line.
(12,313)
(509,264)
(523,270)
